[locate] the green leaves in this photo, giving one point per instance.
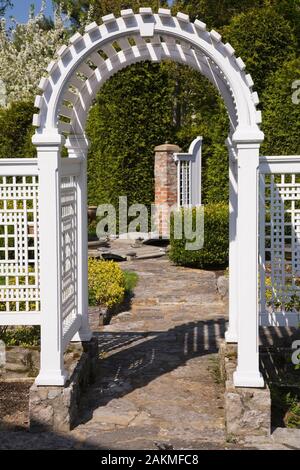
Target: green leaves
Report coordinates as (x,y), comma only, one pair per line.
(132,115)
(216,240)
(264,40)
(16,130)
(281,115)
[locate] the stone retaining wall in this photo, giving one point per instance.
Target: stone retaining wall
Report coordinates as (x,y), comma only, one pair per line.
(247,410)
(56,408)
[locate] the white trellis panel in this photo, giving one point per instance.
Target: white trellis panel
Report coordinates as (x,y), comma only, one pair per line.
(19,242)
(280,241)
(69,250)
(189,175)
(184,182)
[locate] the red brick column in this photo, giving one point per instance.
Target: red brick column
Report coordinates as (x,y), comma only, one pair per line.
(165,173)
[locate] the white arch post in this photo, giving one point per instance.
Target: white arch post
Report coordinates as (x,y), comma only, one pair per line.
(247,373)
(231,334)
(67,94)
(52,370)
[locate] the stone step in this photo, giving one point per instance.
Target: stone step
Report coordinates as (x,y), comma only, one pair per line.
(16,367)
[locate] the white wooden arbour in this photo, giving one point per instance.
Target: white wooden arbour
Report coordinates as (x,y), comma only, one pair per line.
(67,94)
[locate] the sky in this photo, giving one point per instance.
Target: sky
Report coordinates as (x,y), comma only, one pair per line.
(21,9)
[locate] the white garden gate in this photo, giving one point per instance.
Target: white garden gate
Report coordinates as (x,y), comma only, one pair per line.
(44,201)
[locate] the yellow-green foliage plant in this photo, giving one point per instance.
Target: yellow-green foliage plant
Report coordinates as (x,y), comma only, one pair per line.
(106,283)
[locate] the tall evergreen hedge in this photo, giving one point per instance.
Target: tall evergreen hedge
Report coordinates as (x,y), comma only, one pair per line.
(132,115)
(16,131)
(281,116)
(264,39)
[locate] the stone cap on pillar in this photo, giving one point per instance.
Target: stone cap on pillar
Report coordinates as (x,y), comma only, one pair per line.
(167,148)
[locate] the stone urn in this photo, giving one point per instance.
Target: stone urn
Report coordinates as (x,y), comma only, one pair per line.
(92,212)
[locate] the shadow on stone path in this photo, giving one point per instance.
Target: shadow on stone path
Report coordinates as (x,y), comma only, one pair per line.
(157,382)
(132,360)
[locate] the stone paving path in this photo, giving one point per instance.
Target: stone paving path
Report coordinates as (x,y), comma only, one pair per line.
(157,382)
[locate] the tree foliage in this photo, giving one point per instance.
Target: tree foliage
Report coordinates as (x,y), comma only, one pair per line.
(215,13)
(4,5)
(84,11)
(264,40)
(25,54)
(281,117)
(16,130)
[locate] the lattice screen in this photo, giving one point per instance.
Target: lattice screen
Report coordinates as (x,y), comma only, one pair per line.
(184,183)
(19,244)
(69,250)
(280,249)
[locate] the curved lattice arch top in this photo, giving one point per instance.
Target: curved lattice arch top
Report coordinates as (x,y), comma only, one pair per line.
(92,58)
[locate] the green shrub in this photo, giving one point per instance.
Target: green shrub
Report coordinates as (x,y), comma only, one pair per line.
(215,186)
(106,283)
(16,130)
(20,336)
(216,240)
(285,406)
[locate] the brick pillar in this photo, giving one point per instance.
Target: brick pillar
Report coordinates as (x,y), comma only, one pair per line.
(165,173)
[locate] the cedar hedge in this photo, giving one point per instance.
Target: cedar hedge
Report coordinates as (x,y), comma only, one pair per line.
(215,251)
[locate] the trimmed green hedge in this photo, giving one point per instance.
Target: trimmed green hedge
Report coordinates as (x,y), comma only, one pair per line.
(281,117)
(16,130)
(215,251)
(132,114)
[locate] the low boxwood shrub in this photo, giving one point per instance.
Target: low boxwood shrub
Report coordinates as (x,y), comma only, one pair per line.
(215,251)
(25,336)
(106,283)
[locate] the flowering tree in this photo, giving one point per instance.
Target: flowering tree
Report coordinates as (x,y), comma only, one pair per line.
(26,51)
(4,4)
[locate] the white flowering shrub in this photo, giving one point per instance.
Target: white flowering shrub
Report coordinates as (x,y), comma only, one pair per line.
(26,51)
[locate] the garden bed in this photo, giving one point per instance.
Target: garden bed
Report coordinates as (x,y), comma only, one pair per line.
(14,412)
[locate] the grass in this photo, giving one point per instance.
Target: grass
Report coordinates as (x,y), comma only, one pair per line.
(131,279)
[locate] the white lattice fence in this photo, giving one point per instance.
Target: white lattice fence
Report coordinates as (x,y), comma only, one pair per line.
(19,242)
(184,183)
(280,241)
(68,252)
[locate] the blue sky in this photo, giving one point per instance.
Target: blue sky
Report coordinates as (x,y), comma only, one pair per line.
(21,9)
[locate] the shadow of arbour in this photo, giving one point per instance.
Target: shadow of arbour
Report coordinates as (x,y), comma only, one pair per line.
(131,360)
(12,439)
